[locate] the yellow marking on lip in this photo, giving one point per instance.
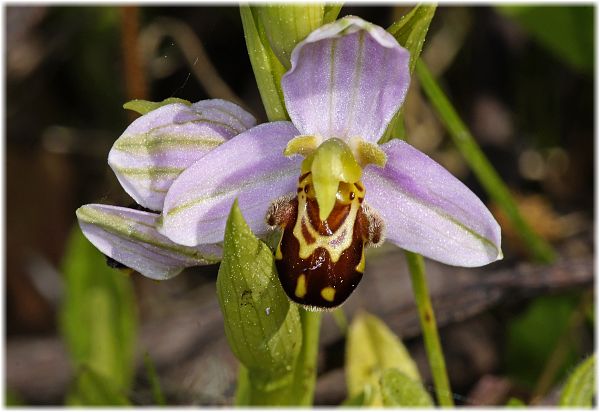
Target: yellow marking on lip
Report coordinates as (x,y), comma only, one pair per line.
(361,265)
(301,286)
(328,293)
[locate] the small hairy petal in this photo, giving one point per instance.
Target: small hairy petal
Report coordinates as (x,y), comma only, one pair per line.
(250,167)
(428,211)
(348,79)
(130,237)
(161,144)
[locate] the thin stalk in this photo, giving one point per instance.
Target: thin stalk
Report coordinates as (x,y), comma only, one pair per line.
(157,393)
(340,319)
(435,356)
(484,171)
(305,374)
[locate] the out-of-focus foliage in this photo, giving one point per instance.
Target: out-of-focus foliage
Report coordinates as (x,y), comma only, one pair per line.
(93,389)
(580,388)
(372,348)
(532,337)
(12,399)
(157,392)
(397,389)
(515,403)
(94,71)
(566,31)
(98,323)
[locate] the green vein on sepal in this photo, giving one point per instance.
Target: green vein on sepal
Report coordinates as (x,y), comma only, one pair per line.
(149,172)
(153,144)
(440,212)
(126,227)
(260,180)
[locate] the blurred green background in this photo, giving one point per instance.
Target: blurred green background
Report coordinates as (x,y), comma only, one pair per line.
(78,332)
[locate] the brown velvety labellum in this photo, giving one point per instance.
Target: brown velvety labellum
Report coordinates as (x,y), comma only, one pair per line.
(320,263)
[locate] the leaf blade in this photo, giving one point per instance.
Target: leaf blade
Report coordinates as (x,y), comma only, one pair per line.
(580,388)
(397,389)
(262,327)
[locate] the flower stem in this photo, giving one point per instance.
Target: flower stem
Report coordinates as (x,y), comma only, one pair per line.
(433,348)
(305,373)
(487,176)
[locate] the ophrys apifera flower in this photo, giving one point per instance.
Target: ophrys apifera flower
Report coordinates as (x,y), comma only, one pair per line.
(320,177)
(347,81)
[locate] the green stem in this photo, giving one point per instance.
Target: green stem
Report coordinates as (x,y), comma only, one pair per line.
(487,176)
(340,319)
(305,373)
(433,348)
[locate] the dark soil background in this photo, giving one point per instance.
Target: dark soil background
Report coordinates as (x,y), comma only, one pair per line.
(69,70)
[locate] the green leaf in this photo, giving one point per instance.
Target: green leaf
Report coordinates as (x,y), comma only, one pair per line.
(157,393)
(397,389)
(98,318)
(267,68)
(371,348)
(286,25)
(567,31)
(94,389)
(410,31)
(262,327)
(332,11)
(145,106)
(580,388)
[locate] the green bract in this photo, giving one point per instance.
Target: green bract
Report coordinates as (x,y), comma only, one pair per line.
(262,328)
(286,25)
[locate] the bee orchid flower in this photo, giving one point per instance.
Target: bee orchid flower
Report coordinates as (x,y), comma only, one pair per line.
(320,177)
(346,82)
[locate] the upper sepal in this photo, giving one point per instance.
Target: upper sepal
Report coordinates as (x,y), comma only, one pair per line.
(159,145)
(130,237)
(348,79)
